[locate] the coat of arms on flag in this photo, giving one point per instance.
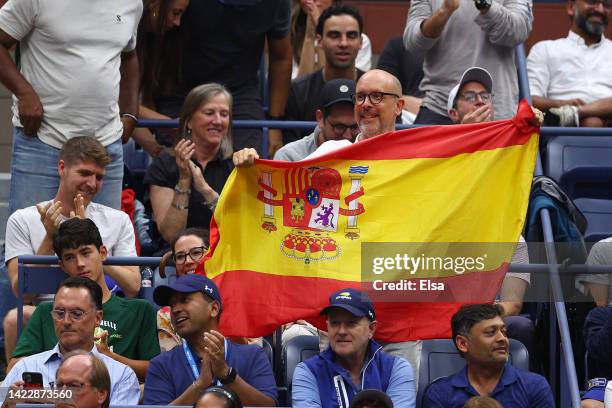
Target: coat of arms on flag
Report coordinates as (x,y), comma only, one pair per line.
(311,203)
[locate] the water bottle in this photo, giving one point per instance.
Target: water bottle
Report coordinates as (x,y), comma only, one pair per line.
(146,276)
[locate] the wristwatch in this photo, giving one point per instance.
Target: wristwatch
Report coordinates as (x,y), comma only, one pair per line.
(230,377)
(483,4)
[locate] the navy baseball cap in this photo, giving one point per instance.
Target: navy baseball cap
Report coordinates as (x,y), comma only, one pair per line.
(187,284)
(596,389)
(336,91)
(353,301)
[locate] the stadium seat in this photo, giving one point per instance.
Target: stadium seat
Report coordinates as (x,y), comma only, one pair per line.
(582,165)
(598,213)
(267,348)
(440,358)
(136,159)
(29,278)
(296,350)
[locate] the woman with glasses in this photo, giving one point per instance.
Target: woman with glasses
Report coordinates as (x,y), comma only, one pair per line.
(184,186)
(188,249)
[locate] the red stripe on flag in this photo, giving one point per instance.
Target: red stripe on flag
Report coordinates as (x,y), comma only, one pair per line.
(434,141)
(255,303)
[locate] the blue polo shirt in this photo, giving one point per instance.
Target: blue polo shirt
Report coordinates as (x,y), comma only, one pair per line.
(170,374)
(516,389)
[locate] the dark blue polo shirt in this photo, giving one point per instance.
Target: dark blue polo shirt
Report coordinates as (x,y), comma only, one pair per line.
(516,389)
(170,374)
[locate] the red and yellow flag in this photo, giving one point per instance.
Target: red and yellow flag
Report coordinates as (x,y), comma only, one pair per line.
(284,235)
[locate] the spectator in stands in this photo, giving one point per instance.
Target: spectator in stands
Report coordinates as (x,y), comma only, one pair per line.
(87,376)
(471,100)
(188,248)
(307,53)
(335,121)
(211,55)
(377,104)
(353,361)
(215,397)
(206,357)
(339,32)
(29,231)
(599,286)
(76,312)
(571,76)
(184,189)
(598,340)
(127,332)
(159,49)
(479,334)
(408,68)
(442,31)
(482,402)
(371,399)
(88,88)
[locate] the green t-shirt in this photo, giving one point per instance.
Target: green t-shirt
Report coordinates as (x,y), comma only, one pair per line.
(130,323)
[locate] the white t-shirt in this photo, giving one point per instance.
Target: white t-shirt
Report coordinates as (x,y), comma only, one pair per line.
(601,254)
(25,232)
(567,68)
(71,54)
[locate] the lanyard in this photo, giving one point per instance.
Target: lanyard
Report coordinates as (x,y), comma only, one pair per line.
(194,368)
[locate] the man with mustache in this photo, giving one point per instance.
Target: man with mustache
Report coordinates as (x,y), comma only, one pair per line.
(480,336)
(29,231)
(76,312)
(339,35)
(570,77)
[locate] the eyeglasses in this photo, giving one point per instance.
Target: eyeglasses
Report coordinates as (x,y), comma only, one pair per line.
(73,314)
(470,96)
(194,253)
(605,3)
(375,97)
(71,385)
(340,128)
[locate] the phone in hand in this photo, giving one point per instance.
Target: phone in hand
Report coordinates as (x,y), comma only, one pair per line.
(32,379)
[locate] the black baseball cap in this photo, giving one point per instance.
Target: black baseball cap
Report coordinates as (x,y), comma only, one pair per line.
(337,90)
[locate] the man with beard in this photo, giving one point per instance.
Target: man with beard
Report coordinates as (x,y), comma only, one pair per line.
(339,35)
(480,336)
(570,76)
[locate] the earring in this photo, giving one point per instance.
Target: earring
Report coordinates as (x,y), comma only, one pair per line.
(189,131)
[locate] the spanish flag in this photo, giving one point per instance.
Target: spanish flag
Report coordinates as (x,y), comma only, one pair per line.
(425,205)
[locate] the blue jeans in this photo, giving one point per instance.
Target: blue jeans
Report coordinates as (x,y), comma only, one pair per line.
(34,175)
